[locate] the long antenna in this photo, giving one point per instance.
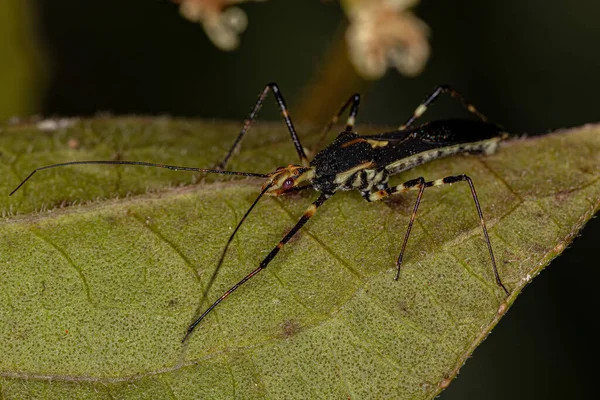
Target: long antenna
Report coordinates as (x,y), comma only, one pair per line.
(142,163)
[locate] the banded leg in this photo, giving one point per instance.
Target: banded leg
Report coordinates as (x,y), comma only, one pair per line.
(353,102)
(252,116)
(420,185)
(310,211)
(420,110)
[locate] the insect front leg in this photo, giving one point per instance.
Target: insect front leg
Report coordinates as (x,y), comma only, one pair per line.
(310,211)
(254,113)
(420,110)
(420,184)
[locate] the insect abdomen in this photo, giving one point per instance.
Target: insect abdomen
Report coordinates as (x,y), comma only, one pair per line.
(488,146)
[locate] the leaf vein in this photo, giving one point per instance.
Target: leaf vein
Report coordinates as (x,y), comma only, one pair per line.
(170,244)
(64,254)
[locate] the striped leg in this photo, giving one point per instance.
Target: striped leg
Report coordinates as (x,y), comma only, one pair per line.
(286,117)
(353,102)
(420,110)
(310,211)
(420,185)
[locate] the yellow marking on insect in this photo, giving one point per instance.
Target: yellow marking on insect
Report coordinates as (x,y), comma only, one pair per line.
(379,176)
(342,177)
(357,181)
(420,110)
(471,108)
(350,143)
(402,188)
(351,120)
(285,113)
(377,143)
(310,211)
(438,182)
(380,194)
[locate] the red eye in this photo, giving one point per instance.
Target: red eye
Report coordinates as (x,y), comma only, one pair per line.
(288,183)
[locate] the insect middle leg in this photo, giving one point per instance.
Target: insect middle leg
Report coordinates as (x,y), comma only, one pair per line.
(420,184)
(420,110)
(252,116)
(353,102)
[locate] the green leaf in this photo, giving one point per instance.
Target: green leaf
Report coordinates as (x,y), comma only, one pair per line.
(102,268)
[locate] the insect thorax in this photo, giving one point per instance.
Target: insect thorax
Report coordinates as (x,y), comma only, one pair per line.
(347,164)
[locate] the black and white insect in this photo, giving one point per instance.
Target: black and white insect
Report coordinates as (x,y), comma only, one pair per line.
(355,162)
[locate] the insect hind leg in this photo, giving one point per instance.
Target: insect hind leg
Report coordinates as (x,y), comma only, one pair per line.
(420,184)
(429,100)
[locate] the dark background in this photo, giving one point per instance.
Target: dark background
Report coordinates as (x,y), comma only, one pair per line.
(530,65)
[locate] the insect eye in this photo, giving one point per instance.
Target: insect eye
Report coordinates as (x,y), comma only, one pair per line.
(288,183)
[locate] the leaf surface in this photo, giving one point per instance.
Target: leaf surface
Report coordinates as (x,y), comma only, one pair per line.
(102,268)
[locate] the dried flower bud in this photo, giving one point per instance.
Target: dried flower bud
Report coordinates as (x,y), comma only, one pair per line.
(222,23)
(383,34)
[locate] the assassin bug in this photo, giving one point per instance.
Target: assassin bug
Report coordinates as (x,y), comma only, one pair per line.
(355,162)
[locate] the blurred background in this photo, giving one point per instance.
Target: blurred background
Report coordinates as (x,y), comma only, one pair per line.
(531,66)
